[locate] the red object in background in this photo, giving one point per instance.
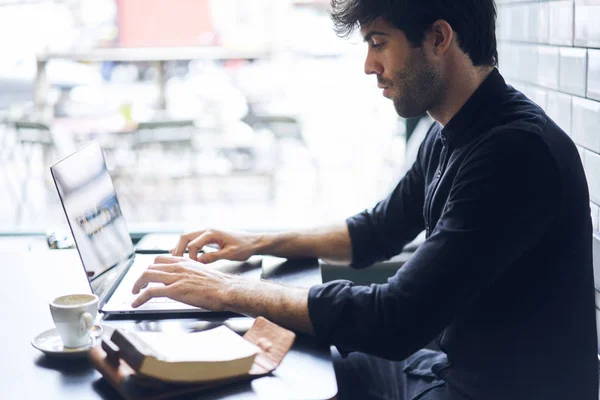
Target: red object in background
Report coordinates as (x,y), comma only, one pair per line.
(165,23)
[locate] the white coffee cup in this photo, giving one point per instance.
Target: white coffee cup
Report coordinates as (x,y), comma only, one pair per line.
(74,317)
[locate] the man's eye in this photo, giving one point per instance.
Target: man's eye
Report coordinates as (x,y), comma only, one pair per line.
(376,45)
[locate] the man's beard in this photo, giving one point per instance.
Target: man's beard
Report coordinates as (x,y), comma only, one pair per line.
(418,84)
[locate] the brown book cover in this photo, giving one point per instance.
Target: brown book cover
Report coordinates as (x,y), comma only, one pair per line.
(273,340)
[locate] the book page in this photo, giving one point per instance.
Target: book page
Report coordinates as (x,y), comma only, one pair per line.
(218,344)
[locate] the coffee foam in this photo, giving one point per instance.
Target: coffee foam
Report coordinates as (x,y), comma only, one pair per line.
(74,300)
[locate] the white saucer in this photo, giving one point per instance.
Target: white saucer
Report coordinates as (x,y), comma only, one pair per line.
(49,342)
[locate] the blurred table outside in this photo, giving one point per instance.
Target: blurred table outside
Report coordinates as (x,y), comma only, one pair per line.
(159,56)
(147,159)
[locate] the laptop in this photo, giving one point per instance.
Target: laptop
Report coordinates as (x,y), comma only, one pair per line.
(90,203)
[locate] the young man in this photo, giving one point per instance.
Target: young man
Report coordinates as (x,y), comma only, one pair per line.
(504,279)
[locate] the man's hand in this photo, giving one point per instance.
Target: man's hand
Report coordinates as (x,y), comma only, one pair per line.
(330,243)
(232,246)
(184,280)
(193,283)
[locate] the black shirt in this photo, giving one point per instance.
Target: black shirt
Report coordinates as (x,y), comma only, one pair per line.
(505,276)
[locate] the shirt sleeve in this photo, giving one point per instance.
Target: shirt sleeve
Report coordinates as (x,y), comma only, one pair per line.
(382,232)
(500,205)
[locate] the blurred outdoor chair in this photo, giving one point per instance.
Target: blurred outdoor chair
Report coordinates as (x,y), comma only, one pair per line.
(158,155)
(29,138)
(163,140)
(289,137)
(7,148)
(284,129)
(167,133)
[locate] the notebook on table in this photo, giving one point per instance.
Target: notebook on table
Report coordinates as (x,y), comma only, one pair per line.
(90,203)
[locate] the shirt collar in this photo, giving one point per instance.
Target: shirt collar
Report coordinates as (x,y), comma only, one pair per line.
(475,107)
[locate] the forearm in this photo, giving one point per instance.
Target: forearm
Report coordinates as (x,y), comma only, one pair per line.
(283,305)
(331,243)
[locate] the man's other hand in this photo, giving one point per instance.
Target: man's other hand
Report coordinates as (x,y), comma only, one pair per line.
(236,246)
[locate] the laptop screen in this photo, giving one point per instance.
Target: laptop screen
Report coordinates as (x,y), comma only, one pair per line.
(90,203)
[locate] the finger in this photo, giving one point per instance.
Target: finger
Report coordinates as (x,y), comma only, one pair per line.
(181,246)
(149,294)
(194,247)
(213,256)
(183,242)
(153,276)
(166,259)
(172,268)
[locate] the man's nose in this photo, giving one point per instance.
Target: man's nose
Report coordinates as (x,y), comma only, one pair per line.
(372,66)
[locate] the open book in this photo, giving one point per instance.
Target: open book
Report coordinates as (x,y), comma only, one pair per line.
(210,355)
(163,365)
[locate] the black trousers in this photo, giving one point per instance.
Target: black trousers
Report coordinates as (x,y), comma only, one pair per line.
(365,377)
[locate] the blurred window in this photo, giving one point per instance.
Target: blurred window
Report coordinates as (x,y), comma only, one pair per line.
(247,114)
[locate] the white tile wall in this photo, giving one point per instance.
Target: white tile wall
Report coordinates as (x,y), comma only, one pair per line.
(561,22)
(598,322)
(596,247)
(594,209)
(592,171)
(559,107)
(538,95)
(587,28)
(519,62)
(586,123)
(520,23)
(538,23)
(581,151)
(593,85)
(547,66)
(573,64)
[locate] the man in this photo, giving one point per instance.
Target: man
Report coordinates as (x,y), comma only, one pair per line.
(504,279)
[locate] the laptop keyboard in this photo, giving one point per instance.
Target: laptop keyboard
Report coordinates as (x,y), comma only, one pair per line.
(154,300)
(128,298)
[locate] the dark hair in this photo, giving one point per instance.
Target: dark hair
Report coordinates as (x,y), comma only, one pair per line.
(473,20)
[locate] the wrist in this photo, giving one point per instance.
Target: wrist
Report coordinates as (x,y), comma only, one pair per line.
(261,243)
(229,294)
(236,295)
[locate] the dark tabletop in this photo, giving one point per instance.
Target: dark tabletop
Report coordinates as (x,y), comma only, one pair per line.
(32,279)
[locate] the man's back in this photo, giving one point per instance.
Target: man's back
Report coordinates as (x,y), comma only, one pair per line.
(535,323)
(506,271)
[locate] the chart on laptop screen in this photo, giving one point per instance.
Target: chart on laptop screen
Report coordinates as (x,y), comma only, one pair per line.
(92,209)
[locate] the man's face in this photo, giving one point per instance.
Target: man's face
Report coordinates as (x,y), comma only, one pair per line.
(404,73)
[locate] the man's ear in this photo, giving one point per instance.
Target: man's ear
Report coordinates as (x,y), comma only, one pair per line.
(440,37)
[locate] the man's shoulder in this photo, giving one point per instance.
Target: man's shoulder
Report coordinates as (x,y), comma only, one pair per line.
(519,113)
(519,120)
(528,127)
